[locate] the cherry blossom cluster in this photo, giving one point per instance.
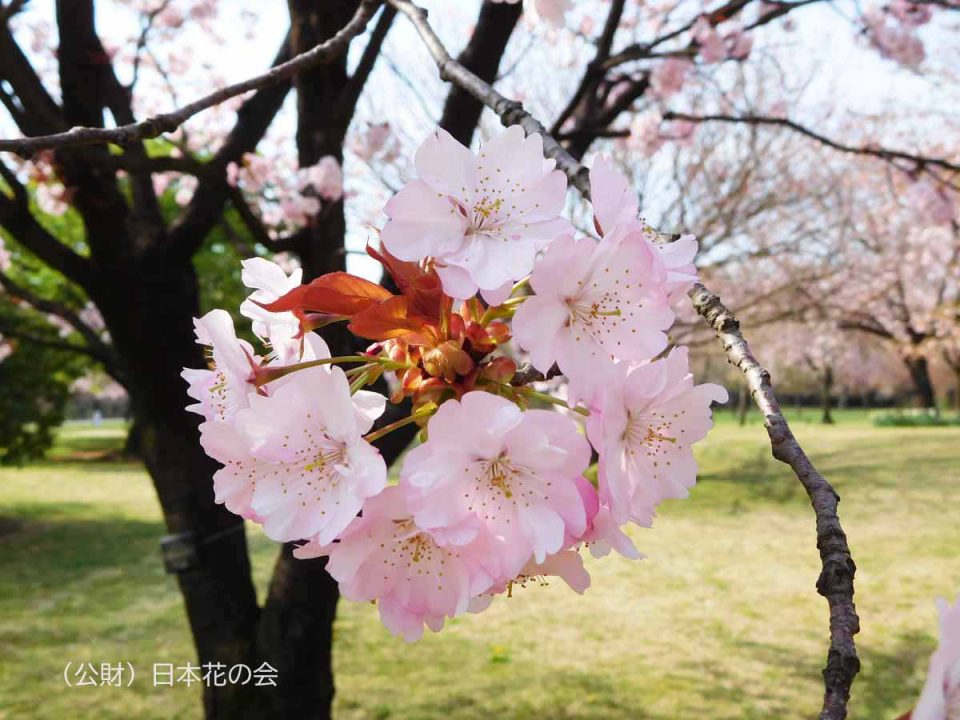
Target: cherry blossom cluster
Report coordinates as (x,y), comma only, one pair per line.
(287,199)
(892,30)
(495,493)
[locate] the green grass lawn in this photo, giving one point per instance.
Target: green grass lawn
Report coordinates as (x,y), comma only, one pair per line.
(721,620)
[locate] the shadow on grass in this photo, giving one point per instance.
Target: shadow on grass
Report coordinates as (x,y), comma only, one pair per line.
(890,681)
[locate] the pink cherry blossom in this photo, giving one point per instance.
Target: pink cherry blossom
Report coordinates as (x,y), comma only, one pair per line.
(482,217)
(64,328)
(514,471)
(186,186)
(299,209)
(566,565)
(911,13)
(712,47)
(669,76)
(602,533)
(296,459)
(739,43)
(940,698)
(594,303)
(616,211)
(643,426)
(371,141)
(895,41)
(937,204)
(6,349)
(226,388)
(269,282)
(416,576)
(326,178)
(645,133)
(51,198)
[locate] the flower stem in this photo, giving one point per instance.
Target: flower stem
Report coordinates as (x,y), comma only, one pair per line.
(530,392)
(268,374)
(386,429)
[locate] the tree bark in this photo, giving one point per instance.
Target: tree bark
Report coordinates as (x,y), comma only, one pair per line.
(826,391)
(919,370)
(148,309)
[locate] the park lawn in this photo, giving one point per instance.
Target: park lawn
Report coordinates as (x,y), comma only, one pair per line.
(720,621)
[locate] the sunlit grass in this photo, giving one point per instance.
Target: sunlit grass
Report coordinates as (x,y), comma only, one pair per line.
(720,621)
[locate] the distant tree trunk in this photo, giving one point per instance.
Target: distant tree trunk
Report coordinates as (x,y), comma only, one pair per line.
(919,370)
(956,388)
(826,391)
(743,404)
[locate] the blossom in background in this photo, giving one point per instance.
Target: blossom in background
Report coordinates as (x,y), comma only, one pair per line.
(5,257)
(373,141)
(712,47)
(645,136)
(669,76)
(326,178)
(643,425)
(911,13)
(894,40)
(481,217)
(940,698)
(416,577)
(514,471)
(937,203)
(297,458)
(52,198)
(6,349)
(553,11)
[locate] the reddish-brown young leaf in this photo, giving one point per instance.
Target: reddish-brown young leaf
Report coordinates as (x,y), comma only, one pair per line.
(422,287)
(389,319)
(336,293)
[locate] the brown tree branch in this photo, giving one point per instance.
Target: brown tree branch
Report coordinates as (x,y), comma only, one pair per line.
(482,55)
(919,161)
(168,122)
(16,219)
(96,347)
(836,578)
(358,80)
(511,112)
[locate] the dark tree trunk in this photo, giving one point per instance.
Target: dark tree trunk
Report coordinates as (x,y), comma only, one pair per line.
(956,388)
(132,445)
(826,392)
(148,309)
(919,370)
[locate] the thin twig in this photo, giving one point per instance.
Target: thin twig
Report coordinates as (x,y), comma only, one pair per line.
(919,161)
(836,578)
(168,122)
